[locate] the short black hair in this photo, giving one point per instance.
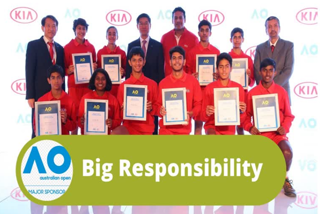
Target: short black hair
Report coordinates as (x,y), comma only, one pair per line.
(143,15)
(224,56)
(110,28)
(266,62)
(79,21)
(136,51)
(237,30)
(43,21)
(204,22)
(179,9)
(271,18)
(93,78)
(178,49)
(55,68)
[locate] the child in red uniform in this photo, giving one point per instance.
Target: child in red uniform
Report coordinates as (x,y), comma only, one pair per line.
(77,45)
(203,47)
(237,39)
(224,67)
(55,77)
(267,86)
(178,36)
(137,61)
(180,79)
(112,48)
(101,84)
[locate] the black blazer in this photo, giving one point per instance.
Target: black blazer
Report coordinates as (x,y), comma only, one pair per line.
(38,60)
(154,67)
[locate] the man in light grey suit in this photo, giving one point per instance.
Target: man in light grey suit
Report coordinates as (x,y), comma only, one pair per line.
(279,50)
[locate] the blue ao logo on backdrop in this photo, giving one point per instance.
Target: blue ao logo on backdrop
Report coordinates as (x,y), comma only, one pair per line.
(46,170)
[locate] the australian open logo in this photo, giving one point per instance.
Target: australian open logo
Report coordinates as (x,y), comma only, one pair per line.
(46,170)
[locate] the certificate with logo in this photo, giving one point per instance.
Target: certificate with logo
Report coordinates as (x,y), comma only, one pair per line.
(96,114)
(239,71)
(48,118)
(112,64)
(226,104)
(266,112)
(205,67)
(175,102)
(83,67)
(135,102)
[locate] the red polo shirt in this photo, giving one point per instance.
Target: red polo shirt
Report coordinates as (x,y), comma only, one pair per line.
(192,54)
(67,103)
(106,51)
(194,99)
(209,100)
(140,127)
(113,108)
(187,41)
(286,117)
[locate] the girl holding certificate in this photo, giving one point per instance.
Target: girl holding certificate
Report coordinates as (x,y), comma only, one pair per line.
(113,50)
(101,85)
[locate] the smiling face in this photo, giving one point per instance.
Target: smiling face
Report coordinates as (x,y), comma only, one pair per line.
(267,74)
(224,69)
(50,28)
(80,32)
(178,20)
(100,82)
(112,36)
(137,63)
(177,62)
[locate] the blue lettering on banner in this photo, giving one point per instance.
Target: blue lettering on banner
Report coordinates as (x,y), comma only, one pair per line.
(308,123)
(262,14)
(310,50)
(167,14)
(72,13)
(21,48)
(24,118)
(310,165)
(35,157)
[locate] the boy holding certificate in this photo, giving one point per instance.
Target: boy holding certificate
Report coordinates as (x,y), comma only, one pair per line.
(113,49)
(268,87)
(224,67)
(55,77)
(202,48)
(139,127)
(237,38)
(100,84)
(178,79)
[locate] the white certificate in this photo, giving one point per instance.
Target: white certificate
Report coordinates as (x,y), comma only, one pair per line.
(239,71)
(135,102)
(205,67)
(226,104)
(48,118)
(83,67)
(175,102)
(266,112)
(112,64)
(96,114)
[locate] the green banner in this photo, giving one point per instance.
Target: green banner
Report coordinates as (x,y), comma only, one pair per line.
(151,170)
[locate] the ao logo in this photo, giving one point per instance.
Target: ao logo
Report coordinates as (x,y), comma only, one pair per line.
(46,170)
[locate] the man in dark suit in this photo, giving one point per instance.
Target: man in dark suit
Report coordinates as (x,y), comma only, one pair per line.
(279,50)
(41,54)
(154,66)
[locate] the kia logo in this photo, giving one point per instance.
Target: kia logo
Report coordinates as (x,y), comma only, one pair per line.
(251,52)
(19,86)
(213,16)
(18,195)
(23,15)
(118,17)
(306,90)
(307,200)
(308,16)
